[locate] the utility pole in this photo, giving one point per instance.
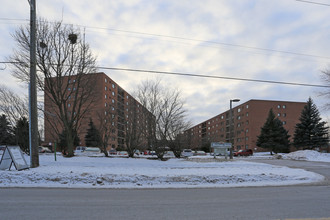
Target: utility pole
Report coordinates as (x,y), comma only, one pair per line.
(33,111)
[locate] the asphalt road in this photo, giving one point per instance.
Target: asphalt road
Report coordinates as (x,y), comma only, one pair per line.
(322,168)
(286,202)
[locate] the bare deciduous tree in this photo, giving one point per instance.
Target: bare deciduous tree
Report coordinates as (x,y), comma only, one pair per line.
(106,122)
(325,76)
(64,64)
(170,116)
(13,106)
(136,127)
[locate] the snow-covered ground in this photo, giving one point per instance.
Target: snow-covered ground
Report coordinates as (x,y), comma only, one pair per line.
(102,172)
(308,155)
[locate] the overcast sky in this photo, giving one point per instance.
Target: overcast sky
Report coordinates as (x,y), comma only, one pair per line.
(276,40)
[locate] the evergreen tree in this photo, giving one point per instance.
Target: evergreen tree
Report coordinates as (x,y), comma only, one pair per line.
(311,132)
(6,132)
(93,137)
(273,135)
(22,134)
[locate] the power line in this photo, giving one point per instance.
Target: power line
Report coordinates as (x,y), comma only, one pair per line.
(201,76)
(209,42)
(315,3)
(194,40)
(214,77)
(11,62)
(13,19)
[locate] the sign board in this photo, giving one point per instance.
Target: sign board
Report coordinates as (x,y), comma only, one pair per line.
(220,148)
(220,145)
(13,155)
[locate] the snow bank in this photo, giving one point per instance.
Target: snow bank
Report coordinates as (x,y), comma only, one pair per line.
(309,155)
(101,172)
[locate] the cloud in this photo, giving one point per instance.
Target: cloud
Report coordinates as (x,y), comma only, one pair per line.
(135,34)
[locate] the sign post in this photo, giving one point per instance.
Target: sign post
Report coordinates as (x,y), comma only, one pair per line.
(221,148)
(13,156)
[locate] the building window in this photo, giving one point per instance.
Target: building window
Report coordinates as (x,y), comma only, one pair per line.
(69,89)
(247,122)
(105,104)
(69,105)
(247,130)
(105,88)
(238,117)
(278,106)
(105,96)
(105,80)
(239,110)
(113,85)
(284,122)
(247,106)
(113,93)
(279,114)
(284,114)
(221,116)
(284,106)
(113,101)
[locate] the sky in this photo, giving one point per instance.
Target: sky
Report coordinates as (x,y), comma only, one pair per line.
(282,40)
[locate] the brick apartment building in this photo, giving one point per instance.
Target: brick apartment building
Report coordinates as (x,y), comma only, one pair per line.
(112,107)
(247,120)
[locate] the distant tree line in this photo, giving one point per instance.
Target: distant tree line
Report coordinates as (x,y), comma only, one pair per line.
(63,53)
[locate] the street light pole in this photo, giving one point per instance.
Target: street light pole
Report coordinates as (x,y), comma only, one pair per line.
(33,111)
(230,126)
